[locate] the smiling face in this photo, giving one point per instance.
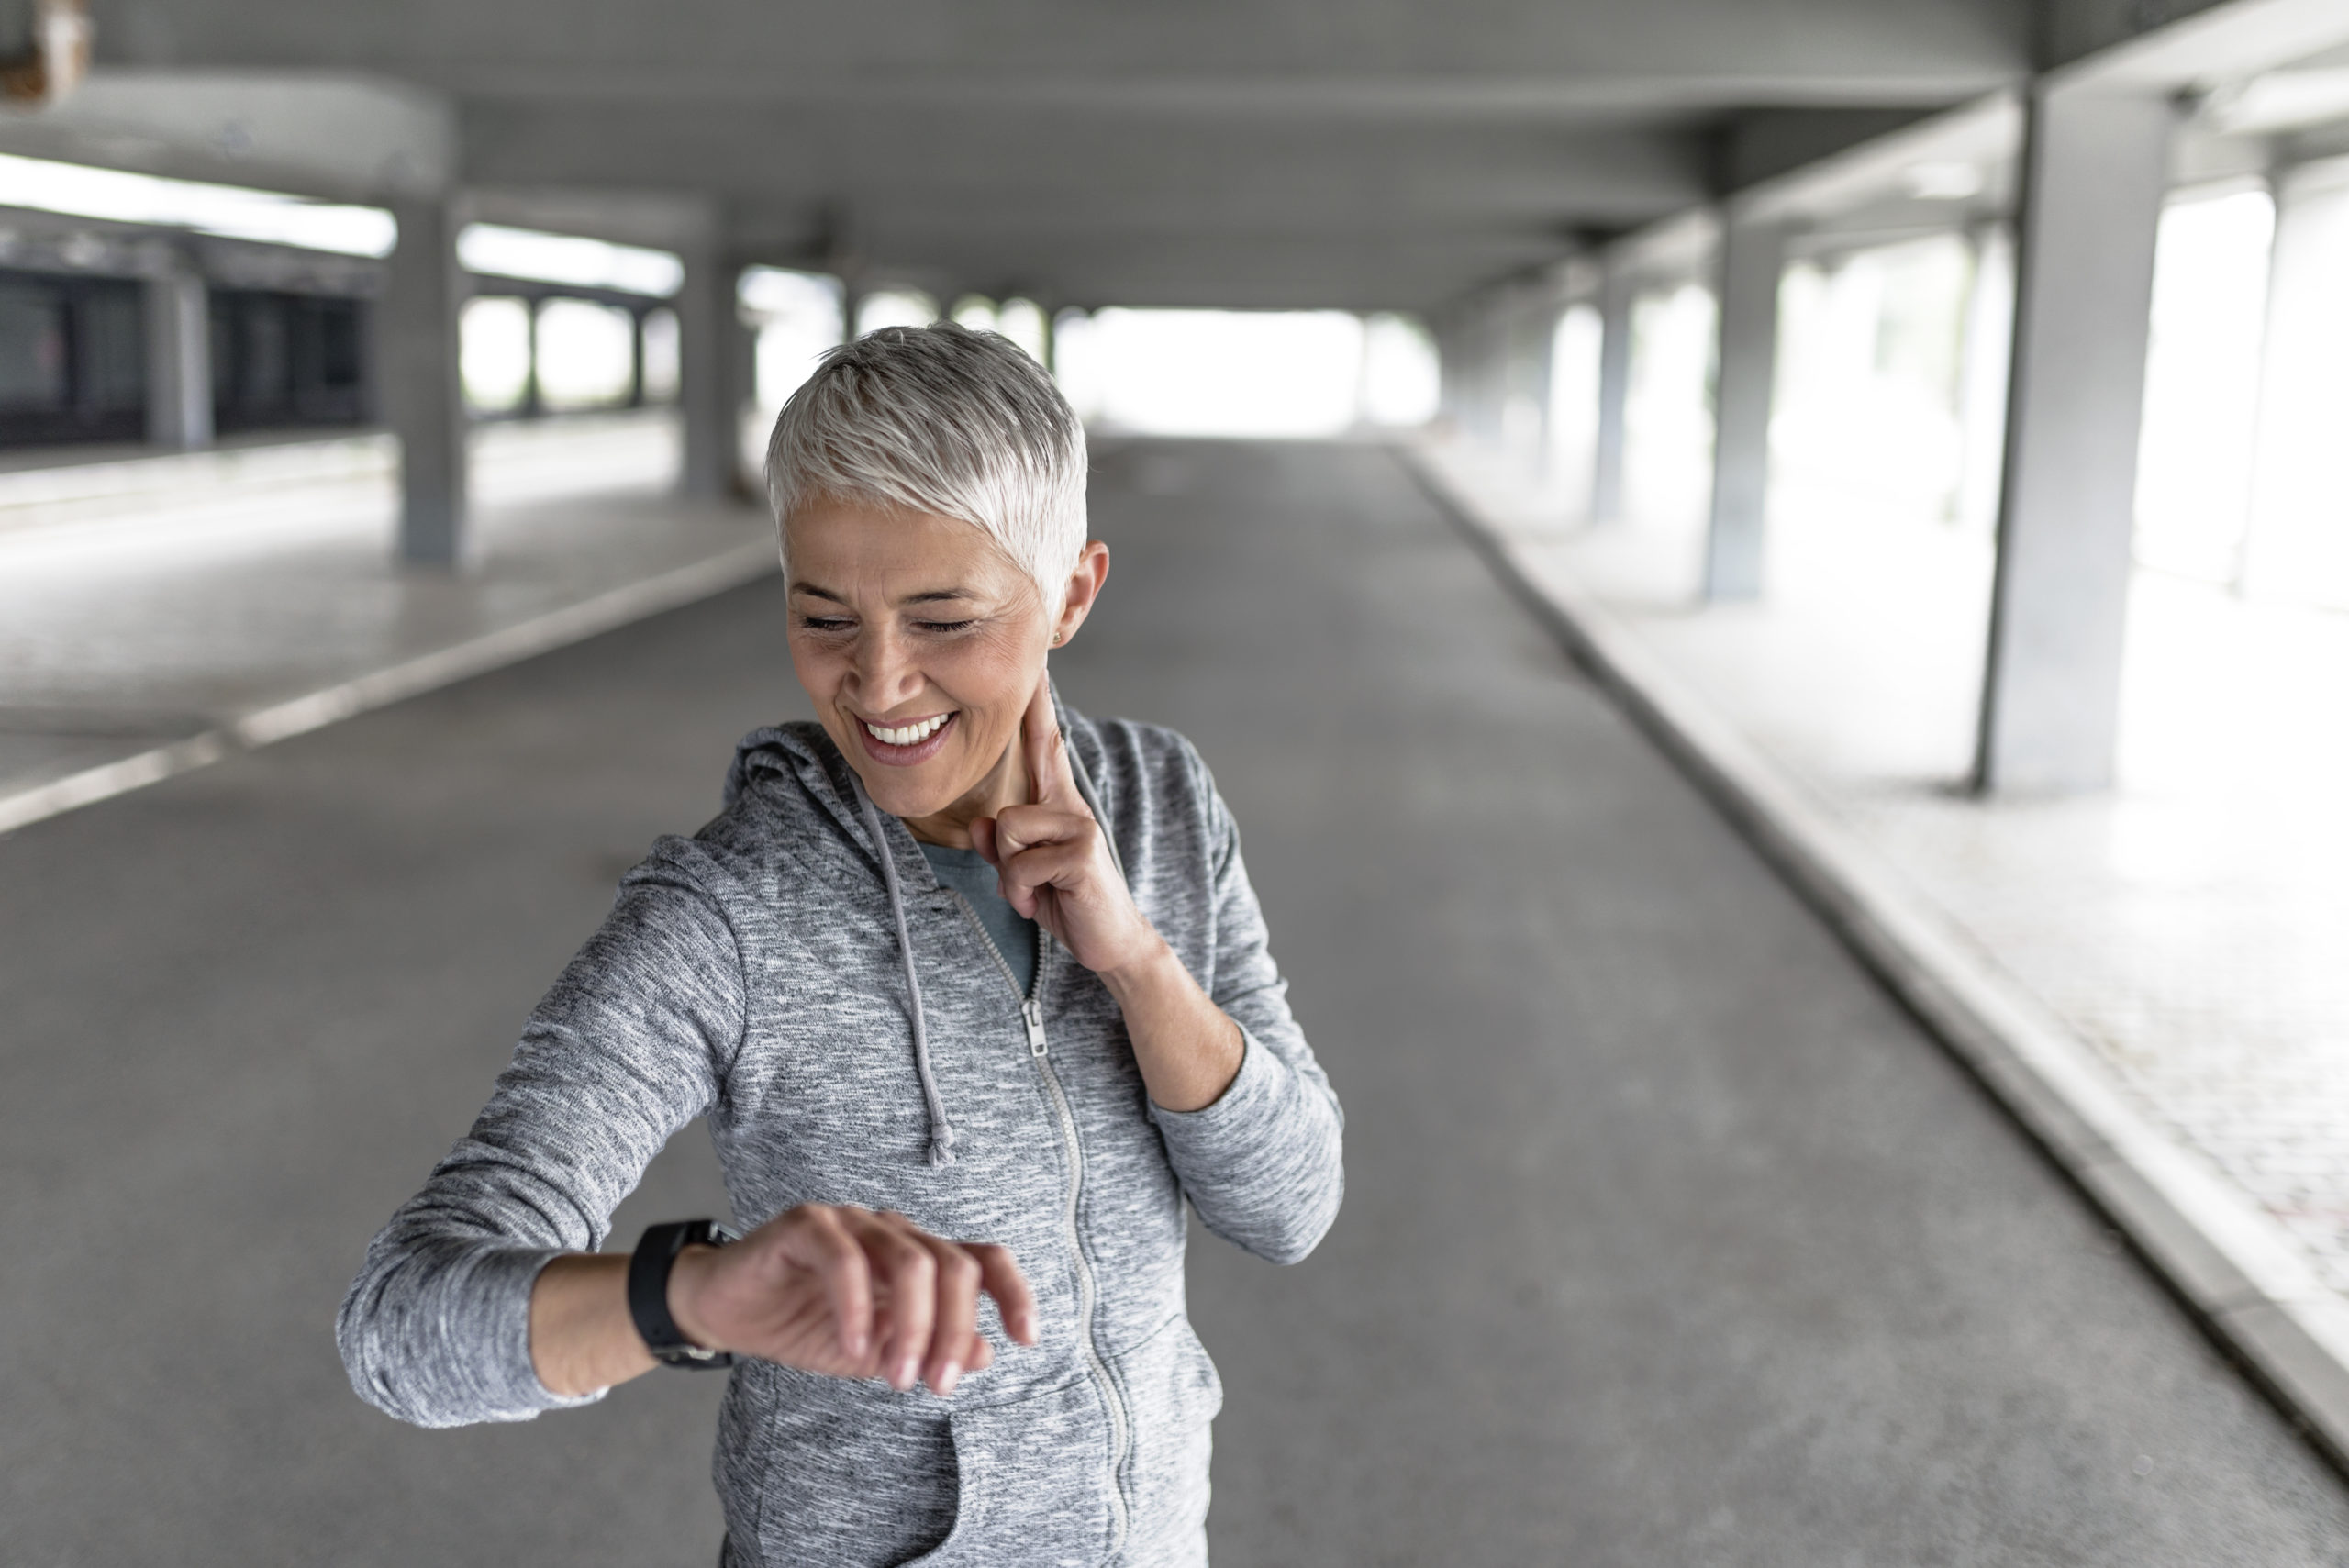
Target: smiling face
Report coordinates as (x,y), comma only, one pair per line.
(921,643)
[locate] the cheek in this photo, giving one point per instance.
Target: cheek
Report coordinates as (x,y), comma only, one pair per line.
(817,667)
(994,674)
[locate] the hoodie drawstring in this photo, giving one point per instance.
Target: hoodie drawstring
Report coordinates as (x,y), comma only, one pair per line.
(942,1131)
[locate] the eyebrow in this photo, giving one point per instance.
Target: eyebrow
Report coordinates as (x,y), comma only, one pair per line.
(929,596)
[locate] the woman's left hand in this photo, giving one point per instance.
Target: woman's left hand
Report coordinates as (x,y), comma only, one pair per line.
(1052,859)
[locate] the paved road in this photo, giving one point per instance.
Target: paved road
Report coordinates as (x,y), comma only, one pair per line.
(1669,1241)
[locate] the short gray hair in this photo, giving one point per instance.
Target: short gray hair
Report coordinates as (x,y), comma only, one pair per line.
(943,420)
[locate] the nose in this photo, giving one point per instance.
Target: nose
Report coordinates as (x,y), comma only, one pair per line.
(881,669)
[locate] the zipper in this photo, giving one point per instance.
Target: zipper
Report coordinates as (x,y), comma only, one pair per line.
(1031,1014)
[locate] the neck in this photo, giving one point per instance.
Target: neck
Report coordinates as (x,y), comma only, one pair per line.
(1003,784)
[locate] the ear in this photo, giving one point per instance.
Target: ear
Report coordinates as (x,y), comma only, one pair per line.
(1084,589)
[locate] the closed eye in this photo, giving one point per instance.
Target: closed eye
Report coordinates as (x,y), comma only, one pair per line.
(827,623)
(946,627)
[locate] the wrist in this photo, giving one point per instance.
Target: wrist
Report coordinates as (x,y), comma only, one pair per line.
(1152,970)
(687,1277)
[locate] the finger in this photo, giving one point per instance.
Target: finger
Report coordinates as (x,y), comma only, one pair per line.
(954,1334)
(827,1246)
(1049,780)
(911,1279)
(1025,876)
(1000,1277)
(982,838)
(1019,828)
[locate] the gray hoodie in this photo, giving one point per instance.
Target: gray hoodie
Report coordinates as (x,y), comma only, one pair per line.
(767,974)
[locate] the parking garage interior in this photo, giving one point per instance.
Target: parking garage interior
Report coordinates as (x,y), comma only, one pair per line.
(1768,583)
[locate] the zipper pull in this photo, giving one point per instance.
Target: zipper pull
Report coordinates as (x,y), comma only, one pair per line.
(1031,1012)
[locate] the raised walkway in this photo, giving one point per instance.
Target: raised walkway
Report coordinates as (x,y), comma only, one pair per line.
(1669,1238)
(157,613)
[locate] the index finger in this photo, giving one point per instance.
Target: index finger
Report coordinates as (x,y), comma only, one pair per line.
(999,1276)
(1049,780)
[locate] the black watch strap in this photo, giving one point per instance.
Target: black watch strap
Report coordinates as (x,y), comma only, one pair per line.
(648,1290)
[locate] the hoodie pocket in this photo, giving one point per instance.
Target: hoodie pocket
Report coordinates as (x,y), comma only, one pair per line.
(838,1489)
(1035,1484)
(1172,1390)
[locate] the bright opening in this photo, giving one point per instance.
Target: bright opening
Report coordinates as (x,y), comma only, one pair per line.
(498,251)
(894,308)
(2194,452)
(1214,372)
(662,356)
(494,352)
(1872,381)
(974,311)
(797,316)
(231,211)
(1667,408)
(1573,438)
(586,355)
(2299,544)
(1402,383)
(1022,321)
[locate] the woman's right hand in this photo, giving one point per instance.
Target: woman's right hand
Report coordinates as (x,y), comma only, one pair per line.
(851,1293)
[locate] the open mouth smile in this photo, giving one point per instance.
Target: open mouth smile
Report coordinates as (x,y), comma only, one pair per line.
(903,745)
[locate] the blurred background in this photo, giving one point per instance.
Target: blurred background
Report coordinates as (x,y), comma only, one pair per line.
(1768,578)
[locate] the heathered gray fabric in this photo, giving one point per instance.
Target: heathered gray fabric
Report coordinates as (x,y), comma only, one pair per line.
(1014,935)
(753,973)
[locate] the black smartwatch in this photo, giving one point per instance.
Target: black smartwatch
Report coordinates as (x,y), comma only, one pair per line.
(648,1290)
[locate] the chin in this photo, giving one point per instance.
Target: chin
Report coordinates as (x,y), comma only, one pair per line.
(902,796)
(905,792)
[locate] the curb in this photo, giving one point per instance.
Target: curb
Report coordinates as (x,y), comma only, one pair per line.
(444,666)
(2234,1268)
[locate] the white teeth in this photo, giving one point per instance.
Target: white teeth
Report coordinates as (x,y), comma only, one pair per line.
(910,735)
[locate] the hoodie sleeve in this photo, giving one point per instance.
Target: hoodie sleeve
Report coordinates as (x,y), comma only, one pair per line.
(632,1043)
(1262,1166)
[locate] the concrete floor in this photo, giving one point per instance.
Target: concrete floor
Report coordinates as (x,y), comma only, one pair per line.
(2190,926)
(1668,1240)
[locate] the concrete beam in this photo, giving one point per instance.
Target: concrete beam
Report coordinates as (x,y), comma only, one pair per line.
(179,357)
(342,136)
(421,388)
(1752,254)
(2168,44)
(2095,170)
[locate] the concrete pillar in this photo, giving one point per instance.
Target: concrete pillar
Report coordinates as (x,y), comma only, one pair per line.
(1526,342)
(742,394)
(1617,291)
(708,347)
(179,358)
(1752,255)
(2096,167)
(636,358)
(533,400)
(423,391)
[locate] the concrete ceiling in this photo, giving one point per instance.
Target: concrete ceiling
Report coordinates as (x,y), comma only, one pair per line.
(1363,153)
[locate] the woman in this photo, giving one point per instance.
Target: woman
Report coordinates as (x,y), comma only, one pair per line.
(951,963)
